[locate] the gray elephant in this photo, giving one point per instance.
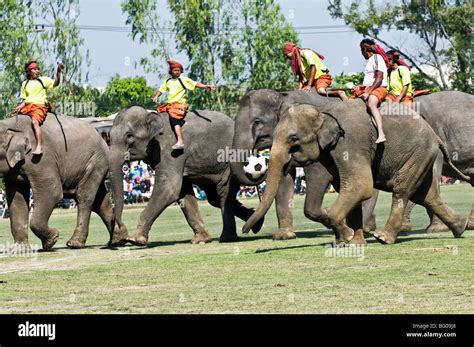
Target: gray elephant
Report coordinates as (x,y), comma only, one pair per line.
(450,115)
(73,165)
(255,123)
(138,134)
(342,138)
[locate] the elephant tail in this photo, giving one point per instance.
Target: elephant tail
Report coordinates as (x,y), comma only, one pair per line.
(444,150)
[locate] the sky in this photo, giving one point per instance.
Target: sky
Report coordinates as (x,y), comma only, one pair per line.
(116,52)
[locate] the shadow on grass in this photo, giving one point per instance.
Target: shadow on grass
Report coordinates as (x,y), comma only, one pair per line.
(271,249)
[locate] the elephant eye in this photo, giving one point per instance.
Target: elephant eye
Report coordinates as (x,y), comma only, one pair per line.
(293,138)
(129,138)
(257,122)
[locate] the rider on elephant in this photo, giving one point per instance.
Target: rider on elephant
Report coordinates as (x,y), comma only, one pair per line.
(35,103)
(400,88)
(176,105)
(308,67)
(374,87)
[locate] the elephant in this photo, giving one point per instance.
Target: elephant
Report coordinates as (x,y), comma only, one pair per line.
(73,165)
(450,115)
(139,134)
(255,123)
(341,137)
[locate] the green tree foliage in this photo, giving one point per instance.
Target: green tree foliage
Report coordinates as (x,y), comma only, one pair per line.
(22,40)
(16,47)
(437,23)
(123,92)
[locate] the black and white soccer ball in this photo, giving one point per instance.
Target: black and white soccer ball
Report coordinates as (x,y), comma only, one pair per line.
(256,166)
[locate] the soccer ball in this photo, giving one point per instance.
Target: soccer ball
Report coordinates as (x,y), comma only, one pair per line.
(255,166)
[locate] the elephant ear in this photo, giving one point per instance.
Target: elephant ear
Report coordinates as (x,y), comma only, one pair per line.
(18,145)
(154,124)
(329,132)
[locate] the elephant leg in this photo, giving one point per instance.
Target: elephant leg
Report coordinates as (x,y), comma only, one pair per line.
(436,225)
(45,201)
(103,207)
(347,200)
(428,196)
(18,196)
(317,181)
(470,225)
(189,206)
(355,222)
(368,207)
(165,193)
(284,204)
(394,222)
(406,223)
(86,195)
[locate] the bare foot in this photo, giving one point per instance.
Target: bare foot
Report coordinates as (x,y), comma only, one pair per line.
(343,96)
(381,139)
(38,151)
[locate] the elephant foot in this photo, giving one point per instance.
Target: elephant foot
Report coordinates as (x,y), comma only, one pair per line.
(385,238)
(201,237)
(371,224)
(138,240)
(75,244)
(406,226)
(49,241)
(228,237)
(358,239)
(460,226)
(119,238)
(344,235)
(470,223)
(257,226)
(284,235)
(437,227)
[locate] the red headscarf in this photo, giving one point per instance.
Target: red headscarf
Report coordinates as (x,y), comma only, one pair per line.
(32,66)
(396,55)
(174,64)
(296,60)
(380,50)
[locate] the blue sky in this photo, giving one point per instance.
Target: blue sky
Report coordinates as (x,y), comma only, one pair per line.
(115,52)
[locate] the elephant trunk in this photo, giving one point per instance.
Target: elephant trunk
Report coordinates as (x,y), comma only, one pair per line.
(279,156)
(116,159)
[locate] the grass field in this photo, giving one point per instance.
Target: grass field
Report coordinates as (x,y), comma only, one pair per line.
(422,273)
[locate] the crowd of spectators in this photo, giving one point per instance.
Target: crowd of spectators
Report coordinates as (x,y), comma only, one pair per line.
(138,182)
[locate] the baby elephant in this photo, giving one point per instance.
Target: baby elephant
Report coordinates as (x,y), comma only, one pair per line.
(341,137)
(73,165)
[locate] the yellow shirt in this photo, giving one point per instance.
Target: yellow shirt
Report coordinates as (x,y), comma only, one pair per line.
(308,58)
(33,92)
(176,92)
(398,79)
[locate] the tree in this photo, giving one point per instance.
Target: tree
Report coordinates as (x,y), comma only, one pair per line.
(23,39)
(437,23)
(146,28)
(123,92)
(16,47)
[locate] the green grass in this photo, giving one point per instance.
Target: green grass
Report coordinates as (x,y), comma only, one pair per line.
(422,273)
